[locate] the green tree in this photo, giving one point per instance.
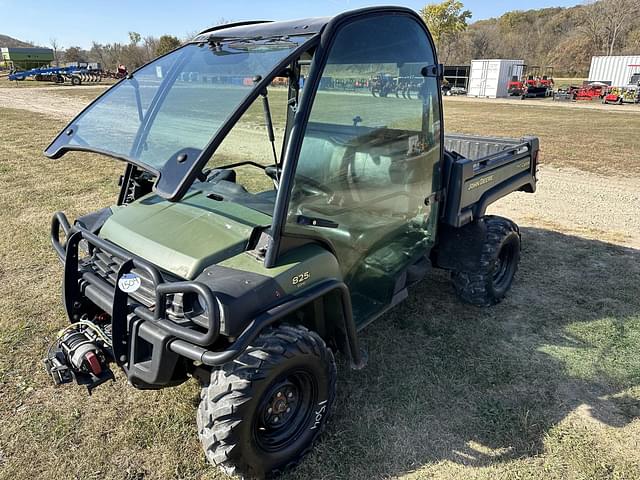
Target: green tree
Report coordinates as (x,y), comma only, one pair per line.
(134,38)
(165,44)
(445,19)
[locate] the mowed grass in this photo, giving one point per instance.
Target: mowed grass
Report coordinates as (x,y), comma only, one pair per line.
(544,385)
(595,140)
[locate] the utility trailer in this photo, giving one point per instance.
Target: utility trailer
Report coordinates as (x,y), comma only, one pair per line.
(74,75)
(246,259)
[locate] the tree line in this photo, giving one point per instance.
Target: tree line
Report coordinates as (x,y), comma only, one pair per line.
(138,51)
(565,38)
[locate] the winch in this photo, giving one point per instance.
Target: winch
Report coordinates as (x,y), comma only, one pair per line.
(81,353)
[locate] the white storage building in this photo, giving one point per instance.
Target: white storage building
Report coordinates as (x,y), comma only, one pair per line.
(490,78)
(616,70)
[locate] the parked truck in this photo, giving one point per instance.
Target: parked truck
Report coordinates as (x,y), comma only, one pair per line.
(246,258)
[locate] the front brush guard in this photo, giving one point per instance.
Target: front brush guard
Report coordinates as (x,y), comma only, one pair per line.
(169,341)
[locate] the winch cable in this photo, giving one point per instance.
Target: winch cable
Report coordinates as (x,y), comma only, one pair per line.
(90,325)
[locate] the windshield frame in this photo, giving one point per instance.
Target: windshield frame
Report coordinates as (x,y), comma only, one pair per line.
(175,190)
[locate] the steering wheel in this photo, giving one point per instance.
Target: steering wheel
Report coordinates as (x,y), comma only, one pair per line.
(311,186)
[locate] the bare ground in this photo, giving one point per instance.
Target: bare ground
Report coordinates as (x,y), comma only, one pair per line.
(44,100)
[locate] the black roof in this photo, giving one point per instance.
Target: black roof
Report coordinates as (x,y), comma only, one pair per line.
(266,28)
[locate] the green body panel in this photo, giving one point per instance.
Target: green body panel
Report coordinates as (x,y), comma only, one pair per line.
(185,237)
(295,270)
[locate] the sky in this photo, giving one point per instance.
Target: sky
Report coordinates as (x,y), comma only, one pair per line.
(77,23)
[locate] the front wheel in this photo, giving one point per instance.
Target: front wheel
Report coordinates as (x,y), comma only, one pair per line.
(260,414)
(497,266)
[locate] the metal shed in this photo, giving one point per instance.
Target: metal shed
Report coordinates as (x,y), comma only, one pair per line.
(21,58)
(489,78)
(457,75)
(614,70)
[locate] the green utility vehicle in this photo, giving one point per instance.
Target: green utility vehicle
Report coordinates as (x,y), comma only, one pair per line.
(264,218)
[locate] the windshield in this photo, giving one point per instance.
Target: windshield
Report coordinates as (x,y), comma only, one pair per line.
(173,107)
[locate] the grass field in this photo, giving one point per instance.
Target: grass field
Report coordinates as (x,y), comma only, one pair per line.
(544,385)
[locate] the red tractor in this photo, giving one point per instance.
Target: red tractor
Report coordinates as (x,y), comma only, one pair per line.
(547,78)
(530,83)
(516,83)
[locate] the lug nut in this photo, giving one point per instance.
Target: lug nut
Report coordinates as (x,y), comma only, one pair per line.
(276,419)
(279,394)
(290,394)
(288,409)
(269,410)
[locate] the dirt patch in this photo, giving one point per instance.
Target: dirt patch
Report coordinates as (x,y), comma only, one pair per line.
(590,205)
(44,100)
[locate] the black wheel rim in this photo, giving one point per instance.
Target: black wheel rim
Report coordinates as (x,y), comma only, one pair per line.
(285,411)
(504,266)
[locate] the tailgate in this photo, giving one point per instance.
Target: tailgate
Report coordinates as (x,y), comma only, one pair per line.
(480,170)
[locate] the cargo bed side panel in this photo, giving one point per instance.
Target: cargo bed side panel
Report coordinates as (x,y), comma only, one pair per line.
(483,170)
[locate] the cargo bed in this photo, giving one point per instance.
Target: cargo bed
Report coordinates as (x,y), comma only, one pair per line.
(477,171)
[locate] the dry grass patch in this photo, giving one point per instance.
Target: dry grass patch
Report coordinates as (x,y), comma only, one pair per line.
(599,141)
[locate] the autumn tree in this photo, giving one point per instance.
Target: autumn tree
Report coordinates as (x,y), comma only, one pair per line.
(74,54)
(446,21)
(607,22)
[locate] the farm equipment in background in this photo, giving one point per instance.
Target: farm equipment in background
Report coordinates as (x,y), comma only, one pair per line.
(628,94)
(121,72)
(529,82)
(566,93)
(74,75)
(383,85)
(547,79)
(516,83)
(537,85)
(620,95)
(591,91)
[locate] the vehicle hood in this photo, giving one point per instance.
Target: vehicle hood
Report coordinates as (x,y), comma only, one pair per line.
(183,237)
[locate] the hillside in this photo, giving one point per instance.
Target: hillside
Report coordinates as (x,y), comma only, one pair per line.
(7,41)
(566,38)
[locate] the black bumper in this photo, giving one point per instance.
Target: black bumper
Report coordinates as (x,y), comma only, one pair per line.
(147,345)
(142,336)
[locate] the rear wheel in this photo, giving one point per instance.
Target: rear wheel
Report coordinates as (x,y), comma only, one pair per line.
(499,259)
(261,413)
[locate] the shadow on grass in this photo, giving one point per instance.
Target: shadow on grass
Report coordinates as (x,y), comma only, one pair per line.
(482,386)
